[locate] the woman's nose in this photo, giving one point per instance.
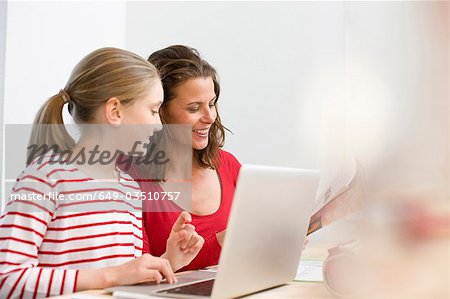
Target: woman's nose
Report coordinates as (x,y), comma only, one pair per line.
(209,116)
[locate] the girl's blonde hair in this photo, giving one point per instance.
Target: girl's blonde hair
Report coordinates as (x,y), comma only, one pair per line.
(101,75)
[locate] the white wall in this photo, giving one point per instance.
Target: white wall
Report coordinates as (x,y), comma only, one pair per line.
(3,8)
(44,41)
(278,63)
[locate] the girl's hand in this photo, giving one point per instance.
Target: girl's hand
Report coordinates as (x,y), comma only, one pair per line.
(142,269)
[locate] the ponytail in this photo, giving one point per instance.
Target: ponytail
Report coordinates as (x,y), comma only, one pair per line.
(48,131)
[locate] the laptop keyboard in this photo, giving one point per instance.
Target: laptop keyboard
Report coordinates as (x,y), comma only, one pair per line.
(203,288)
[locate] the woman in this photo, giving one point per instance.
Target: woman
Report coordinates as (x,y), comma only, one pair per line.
(191,91)
(50,247)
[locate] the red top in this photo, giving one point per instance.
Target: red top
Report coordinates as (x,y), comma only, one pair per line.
(157,225)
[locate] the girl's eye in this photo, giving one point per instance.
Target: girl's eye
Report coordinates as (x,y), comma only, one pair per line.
(155,112)
(193,109)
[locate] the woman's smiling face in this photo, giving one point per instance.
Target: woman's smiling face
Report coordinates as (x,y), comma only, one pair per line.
(194,105)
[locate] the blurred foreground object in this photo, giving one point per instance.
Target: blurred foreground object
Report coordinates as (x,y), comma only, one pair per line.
(403,251)
(339,258)
(397,124)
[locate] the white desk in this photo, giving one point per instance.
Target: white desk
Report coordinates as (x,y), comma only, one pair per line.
(295,289)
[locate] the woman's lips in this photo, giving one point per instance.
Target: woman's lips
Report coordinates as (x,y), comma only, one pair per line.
(203,133)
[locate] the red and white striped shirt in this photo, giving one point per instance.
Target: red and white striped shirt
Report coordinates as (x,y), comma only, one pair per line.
(82,223)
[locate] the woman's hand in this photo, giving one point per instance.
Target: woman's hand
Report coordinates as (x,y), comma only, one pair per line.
(142,269)
(183,243)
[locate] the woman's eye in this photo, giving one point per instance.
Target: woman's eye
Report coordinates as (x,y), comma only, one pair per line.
(154,112)
(193,109)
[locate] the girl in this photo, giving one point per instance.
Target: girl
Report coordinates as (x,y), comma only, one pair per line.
(50,247)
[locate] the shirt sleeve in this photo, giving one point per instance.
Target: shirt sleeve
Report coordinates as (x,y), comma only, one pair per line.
(234,166)
(29,209)
(231,164)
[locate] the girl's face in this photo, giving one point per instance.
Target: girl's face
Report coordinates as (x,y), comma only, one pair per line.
(145,110)
(140,119)
(194,105)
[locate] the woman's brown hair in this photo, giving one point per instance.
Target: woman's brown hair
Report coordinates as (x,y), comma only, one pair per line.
(177,64)
(99,76)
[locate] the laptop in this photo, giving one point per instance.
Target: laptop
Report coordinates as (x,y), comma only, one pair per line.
(266,230)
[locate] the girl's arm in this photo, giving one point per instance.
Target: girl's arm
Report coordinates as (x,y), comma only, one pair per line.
(22,229)
(141,269)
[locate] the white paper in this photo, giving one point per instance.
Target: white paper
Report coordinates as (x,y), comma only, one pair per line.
(332,186)
(309,270)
